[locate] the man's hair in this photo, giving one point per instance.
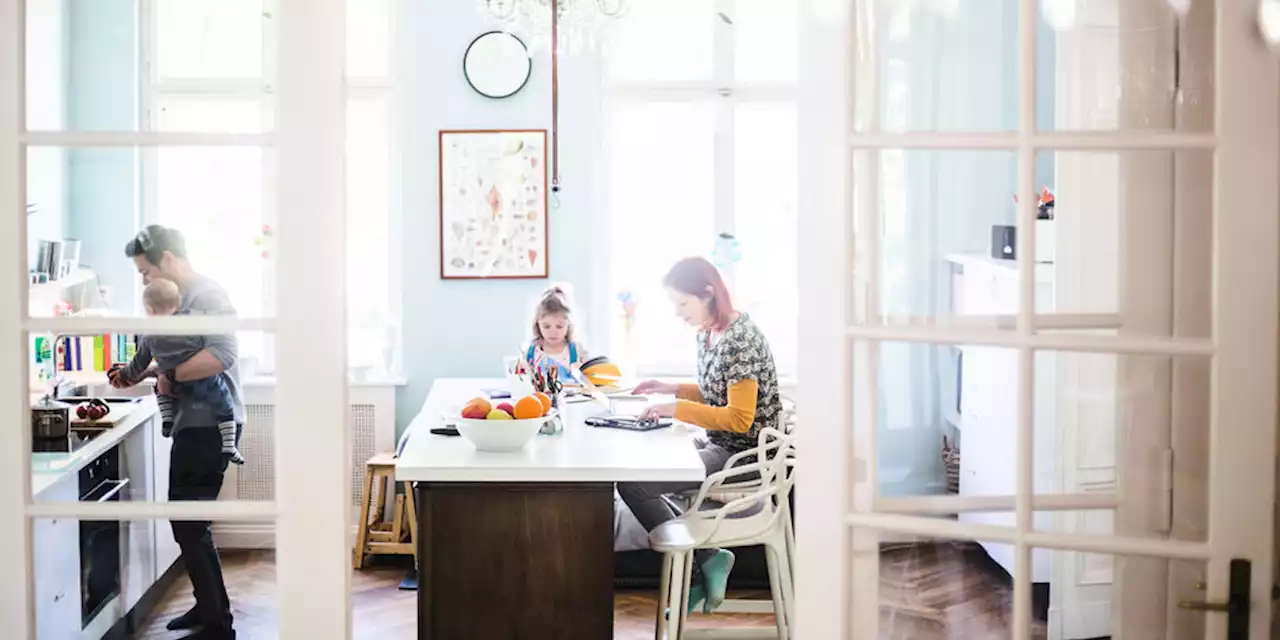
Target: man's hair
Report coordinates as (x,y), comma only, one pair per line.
(162,294)
(153,241)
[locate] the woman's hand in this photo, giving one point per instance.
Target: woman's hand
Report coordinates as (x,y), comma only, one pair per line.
(164,386)
(665,410)
(655,387)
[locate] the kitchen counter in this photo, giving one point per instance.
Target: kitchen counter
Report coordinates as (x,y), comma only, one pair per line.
(48,468)
(545,511)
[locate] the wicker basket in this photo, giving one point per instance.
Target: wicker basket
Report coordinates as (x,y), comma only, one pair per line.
(951,464)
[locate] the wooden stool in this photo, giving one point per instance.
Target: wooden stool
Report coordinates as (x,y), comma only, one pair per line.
(375,536)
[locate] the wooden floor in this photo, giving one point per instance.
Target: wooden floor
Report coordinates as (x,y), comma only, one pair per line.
(928,592)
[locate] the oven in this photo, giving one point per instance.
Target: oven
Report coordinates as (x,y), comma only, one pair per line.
(100,541)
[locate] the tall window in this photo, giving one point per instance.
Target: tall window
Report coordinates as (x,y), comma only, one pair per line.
(205,71)
(701,141)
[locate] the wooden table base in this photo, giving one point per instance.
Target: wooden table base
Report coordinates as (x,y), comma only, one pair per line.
(515,561)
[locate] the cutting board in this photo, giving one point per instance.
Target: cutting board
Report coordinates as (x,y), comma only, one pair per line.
(117,414)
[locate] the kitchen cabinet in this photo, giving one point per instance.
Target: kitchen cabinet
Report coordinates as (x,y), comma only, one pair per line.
(166,549)
(147,550)
(138,561)
(56,546)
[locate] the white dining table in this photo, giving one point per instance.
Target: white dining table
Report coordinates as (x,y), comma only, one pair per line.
(531,530)
(579,454)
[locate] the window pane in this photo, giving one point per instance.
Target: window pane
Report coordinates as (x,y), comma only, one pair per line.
(222,220)
(369,38)
(369,185)
(765,41)
(663,40)
(765,200)
(209,38)
(661,167)
(207,115)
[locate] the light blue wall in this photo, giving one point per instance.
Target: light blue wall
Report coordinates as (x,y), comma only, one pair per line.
(465,328)
(103,95)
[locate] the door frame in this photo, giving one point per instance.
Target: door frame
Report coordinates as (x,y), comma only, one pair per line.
(838,526)
(313,506)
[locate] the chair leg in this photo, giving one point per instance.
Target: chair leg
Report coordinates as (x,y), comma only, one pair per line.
(362,527)
(413,520)
(664,597)
(676,599)
(688,583)
(788,589)
(775,588)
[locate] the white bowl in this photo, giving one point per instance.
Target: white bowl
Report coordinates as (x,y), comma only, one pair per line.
(500,435)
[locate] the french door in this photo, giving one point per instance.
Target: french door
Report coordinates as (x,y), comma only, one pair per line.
(1113,390)
(311,505)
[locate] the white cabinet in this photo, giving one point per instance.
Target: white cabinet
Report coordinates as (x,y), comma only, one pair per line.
(989,402)
(166,549)
(138,560)
(56,546)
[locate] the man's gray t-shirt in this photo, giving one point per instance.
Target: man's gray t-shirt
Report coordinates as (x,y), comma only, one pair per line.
(203,296)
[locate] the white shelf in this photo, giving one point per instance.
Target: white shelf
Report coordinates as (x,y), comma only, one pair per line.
(56,287)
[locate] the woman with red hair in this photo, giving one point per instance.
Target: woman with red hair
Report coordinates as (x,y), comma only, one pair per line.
(735,397)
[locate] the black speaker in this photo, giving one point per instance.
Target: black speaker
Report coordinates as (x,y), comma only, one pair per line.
(1004,242)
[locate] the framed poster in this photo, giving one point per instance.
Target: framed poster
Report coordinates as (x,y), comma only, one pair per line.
(493,204)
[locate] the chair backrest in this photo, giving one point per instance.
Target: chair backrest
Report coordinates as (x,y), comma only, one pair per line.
(774,463)
(788,418)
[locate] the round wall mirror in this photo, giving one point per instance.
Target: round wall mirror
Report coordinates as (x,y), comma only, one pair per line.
(497,64)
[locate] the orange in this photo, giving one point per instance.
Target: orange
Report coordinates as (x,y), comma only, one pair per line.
(528,407)
(545,400)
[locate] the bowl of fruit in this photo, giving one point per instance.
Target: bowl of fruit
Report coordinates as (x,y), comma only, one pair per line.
(506,426)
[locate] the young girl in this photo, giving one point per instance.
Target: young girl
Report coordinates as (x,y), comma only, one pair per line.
(553,344)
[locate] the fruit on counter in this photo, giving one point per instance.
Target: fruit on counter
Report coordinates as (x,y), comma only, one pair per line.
(476,409)
(93,410)
(545,400)
(506,406)
(529,407)
(498,414)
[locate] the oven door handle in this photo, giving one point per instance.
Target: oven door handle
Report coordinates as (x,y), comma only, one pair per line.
(119,486)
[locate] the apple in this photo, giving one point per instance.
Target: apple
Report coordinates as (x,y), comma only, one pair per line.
(499,414)
(476,409)
(506,406)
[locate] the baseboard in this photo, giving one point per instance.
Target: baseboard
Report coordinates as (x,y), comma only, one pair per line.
(245,535)
(249,535)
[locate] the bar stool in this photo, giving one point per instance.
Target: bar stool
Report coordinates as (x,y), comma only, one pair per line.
(375,535)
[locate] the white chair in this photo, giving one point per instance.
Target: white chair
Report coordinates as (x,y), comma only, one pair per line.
(760,517)
(731,490)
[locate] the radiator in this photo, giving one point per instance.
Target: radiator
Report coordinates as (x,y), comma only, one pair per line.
(255,479)
(371,426)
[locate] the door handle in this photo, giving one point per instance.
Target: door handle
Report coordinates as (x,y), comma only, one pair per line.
(1204,605)
(119,485)
(1237,607)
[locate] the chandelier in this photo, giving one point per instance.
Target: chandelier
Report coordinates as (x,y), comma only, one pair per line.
(580,21)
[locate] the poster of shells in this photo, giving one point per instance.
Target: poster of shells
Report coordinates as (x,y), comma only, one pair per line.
(493,204)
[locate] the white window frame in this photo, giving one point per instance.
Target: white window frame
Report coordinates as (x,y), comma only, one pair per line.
(312,512)
(154,88)
(726,93)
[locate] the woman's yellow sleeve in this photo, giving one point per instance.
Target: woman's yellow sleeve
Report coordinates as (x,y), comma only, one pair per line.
(737,417)
(689,392)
